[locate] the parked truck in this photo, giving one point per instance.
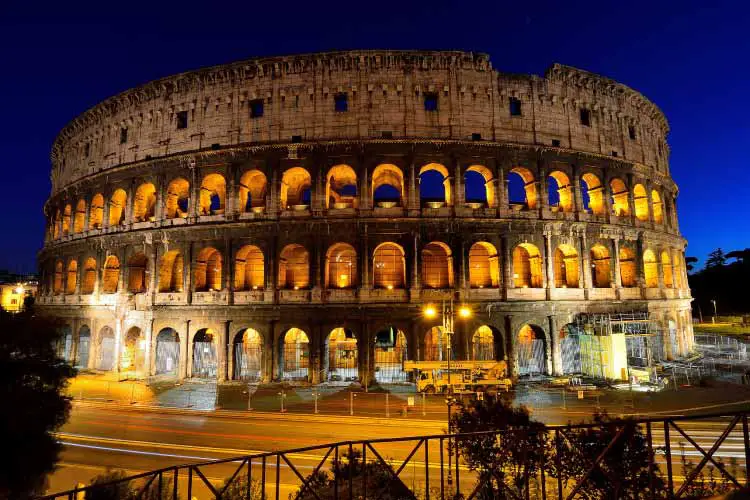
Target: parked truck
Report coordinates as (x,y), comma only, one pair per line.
(433,376)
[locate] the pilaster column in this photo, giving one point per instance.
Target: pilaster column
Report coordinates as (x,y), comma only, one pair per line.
(161,196)
(463,281)
(195,191)
(459,196)
(413,196)
(542,188)
(577,195)
(148,358)
(105,213)
(230,196)
(607,188)
(365,201)
(507,266)
(649,192)
(586,258)
(554,335)
(616,263)
(130,203)
(550,277)
(631,199)
(502,185)
(415,282)
(187,274)
(186,370)
(365,279)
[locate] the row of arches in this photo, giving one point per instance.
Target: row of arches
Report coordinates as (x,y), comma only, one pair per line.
(387,189)
(388,269)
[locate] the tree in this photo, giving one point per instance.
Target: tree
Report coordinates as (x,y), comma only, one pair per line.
(32,379)
(690,263)
(716,259)
(740,256)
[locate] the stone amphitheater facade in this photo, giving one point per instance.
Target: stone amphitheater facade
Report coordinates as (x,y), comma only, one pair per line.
(277,218)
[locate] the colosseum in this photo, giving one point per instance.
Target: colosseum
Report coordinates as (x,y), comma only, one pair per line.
(289,218)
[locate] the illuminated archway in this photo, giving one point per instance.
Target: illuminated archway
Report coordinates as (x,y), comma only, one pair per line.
(117,204)
(341,187)
(248,355)
(57,284)
(72,279)
(483,266)
(566,267)
(657,206)
(177,203)
(620,202)
(390,354)
(167,352)
(522,189)
(434,185)
(96,212)
(252,191)
(437,265)
(666,269)
(650,269)
(341,356)
(641,202)
(479,186)
(628,276)
(249,269)
(601,275)
(212,195)
(387,186)
(133,352)
(79,221)
(105,359)
(531,347)
(89,276)
(137,278)
(66,219)
(483,343)
(527,266)
(204,354)
(208,270)
(170,272)
(677,271)
(111,274)
(389,266)
(84,347)
(560,192)
(341,266)
(592,193)
(296,186)
(294,267)
(56,225)
(436,345)
(144,203)
(295,355)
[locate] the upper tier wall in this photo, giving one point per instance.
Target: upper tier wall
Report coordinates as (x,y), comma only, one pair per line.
(385,94)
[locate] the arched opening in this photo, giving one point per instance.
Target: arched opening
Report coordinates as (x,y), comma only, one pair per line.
(204,353)
(677,271)
(657,206)
(72,279)
(144,203)
(484,270)
(390,354)
(436,346)
(66,220)
(341,187)
(111,275)
(620,203)
(559,192)
(592,193)
(248,355)
(434,186)
(252,191)
(170,272)
(177,203)
(532,351)
(79,221)
(117,205)
(341,266)
(84,347)
(341,358)
(56,225)
(249,269)
(437,265)
(628,276)
(137,278)
(212,197)
(295,189)
(133,352)
(89,276)
(641,202)
(167,352)
(96,212)
(527,266)
(295,355)
(666,269)
(294,268)
(601,275)
(570,348)
(387,186)
(106,349)
(65,345)
(389,266)
(208,270)
(57,284)
(521,189)
(479,186)
(486,344)
(650,269)
(566,267)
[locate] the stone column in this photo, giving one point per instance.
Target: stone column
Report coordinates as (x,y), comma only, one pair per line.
(415,283)
(413,203)
(130,203)
(161,196)
(195,190)
(510,350)
(365,200)
(186,370)
(503,204)
(365,278)
(149,358)
(459,197)
(228,269)
(586,259)
(616,263)
(550,275)
(577,195)
(542,188)
(631,199)
(230,196)
(554,335)
(187,272)
(607,193)
(507,266)
(105,213)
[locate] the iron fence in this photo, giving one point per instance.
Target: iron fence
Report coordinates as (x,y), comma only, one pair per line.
(553,462)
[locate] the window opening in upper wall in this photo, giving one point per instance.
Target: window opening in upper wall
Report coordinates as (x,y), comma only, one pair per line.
(123,135)
(585,117)
(256,108)
(430,101)
(182,120)
(341,104)
(631,132)
(86,149)
(515,106)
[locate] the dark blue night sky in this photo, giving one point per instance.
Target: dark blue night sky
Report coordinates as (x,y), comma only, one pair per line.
(690,59)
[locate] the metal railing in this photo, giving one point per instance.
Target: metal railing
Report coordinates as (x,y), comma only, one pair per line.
(540,462)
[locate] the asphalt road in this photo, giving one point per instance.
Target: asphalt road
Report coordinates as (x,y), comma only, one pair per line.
(100,436)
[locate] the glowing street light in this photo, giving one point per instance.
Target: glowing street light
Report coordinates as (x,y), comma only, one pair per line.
(430,312)
(465,312)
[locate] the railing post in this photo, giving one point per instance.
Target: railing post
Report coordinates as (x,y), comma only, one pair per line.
(458,479)
(426,470)
(278,476)
(158,495)
(442,473)
(262,478)
(668,456)
(335,476)
(747,449)
(249,478)
(351,472)
(650,440)
(558,464)
(174,483)
(190,482)
(364,470)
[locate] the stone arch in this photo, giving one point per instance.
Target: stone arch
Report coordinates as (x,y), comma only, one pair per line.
(522,193)
(641,202)
(84,347)
(294,267)
(137,273)
(487,344)
(57,284)
(434,177)
(341,266)
(628,275)
(296,184)
(527,266)
(566,267)
(388,186)
(249,269)
(650,269)
(341,356)
(484,269)
(167,361)
(111,274)
(204,354)
(560,192)
(66,219)
(341,187)
(666,269)
(657,206)
(478,180)
(117,205)
(88,282)
(177,203)
(133,353)
(252,191)
(96,212)
(389,266)
(171,267)
(79,220)
(294,357)
(436,345)
(212,197)
(248,355)
(437,265)
(677,271)
(56,225)
(619,200)
(531,350)
(570,349)
(601,274)
(105,359)
(592,193)
(144,203)
(208,270)
(72,277)
(390,354)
